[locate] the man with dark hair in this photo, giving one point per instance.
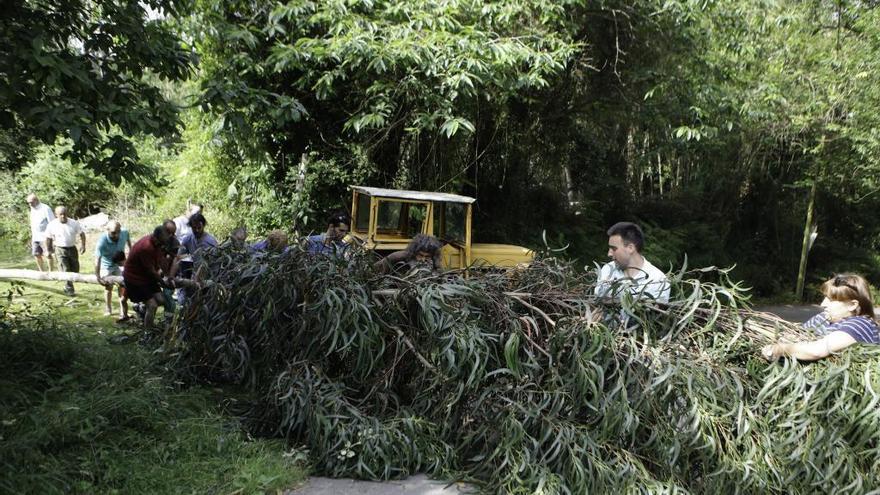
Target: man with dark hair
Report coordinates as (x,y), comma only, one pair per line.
(331,242)
(143,272)
(423,252)
(628,269)
(192,247)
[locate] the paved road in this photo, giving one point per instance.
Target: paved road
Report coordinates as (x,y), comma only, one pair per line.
(415,485)
(797,313)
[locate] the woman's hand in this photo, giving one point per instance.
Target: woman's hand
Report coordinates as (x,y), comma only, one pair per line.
(771,352)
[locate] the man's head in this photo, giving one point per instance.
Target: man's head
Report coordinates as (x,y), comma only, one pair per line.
(33,200)
(197,223)
(170,226)
(424,250)
(61,213)
(160,236)
(337,226)
(113,229)
(277,240)
(625,242)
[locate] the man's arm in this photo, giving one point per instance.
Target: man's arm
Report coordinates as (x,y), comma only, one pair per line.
(49,242)
(812,350)
(98,270)
(384,265)
(82,242)
(175,265)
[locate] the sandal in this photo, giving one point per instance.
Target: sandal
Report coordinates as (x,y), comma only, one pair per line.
(123,319)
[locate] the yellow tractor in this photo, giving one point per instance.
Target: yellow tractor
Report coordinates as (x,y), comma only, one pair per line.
(386,220)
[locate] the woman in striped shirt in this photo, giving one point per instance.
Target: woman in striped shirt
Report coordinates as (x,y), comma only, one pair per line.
(847,319)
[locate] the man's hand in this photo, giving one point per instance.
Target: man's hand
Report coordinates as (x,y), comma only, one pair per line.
(82,249)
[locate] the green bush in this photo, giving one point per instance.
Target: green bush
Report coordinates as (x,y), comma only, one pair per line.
(58,181)
(80,416)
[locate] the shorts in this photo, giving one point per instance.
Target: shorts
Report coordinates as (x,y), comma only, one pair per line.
(113,270)
(141,293)
(69,258)
(38,248)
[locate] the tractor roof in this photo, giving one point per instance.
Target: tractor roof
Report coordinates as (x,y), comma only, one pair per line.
(412,195)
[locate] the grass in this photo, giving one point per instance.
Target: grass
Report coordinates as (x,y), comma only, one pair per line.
(81,415)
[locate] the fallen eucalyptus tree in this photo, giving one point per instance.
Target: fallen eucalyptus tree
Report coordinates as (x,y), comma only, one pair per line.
(524,382)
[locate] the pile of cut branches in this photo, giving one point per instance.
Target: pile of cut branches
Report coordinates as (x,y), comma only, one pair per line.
(525,382)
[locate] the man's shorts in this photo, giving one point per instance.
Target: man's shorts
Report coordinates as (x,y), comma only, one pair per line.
(113,270)
(141,293)
(38,248)
(69,258)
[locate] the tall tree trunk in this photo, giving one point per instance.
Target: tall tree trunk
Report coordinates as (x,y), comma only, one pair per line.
(805,246)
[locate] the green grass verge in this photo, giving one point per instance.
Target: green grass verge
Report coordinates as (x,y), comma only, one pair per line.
(80,415)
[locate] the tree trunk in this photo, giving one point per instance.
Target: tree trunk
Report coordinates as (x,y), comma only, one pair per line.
(7,274)
(805,246)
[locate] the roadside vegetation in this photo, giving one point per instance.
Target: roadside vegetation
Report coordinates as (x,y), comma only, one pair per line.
(86,409)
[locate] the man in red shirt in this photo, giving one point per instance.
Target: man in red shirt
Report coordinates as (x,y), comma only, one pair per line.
(143,272)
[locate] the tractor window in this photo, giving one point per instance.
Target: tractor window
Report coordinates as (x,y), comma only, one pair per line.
(453,222)
(400,219)
(362,222)
(388,216)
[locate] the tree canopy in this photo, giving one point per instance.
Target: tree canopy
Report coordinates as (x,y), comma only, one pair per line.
(86,70)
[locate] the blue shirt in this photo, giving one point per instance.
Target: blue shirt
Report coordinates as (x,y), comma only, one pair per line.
(106,248)
(315,245)
(190,245)
(861,328)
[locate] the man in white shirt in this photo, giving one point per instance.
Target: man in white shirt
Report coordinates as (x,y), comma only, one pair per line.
(41,215)
(628,269)
(61,233)
(182,222)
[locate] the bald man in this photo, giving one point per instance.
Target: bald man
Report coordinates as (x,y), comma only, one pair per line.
(61,233)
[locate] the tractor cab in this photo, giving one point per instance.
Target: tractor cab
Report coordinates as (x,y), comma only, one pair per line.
(386,220)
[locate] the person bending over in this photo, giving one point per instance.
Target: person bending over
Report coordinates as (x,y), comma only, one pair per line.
(423,252)
(847,318)
(143,272)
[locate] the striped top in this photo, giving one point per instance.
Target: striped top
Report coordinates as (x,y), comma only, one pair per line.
(861,328)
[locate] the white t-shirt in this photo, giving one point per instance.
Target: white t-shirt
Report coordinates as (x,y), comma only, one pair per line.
(41,215)
(650,281)
(63,234)
(183,227)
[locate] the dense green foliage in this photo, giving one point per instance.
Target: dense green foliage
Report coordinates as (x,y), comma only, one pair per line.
(86,70)
(705,121)
(518,382)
